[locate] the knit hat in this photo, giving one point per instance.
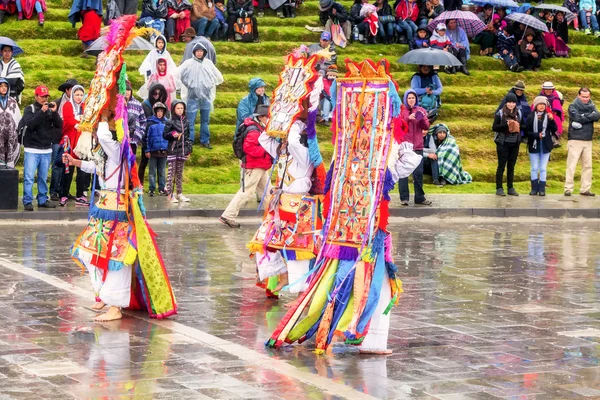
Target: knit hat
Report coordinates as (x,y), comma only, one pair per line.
(440,128)
(440,27)
(128,86)
(332,70)
(548,86)
(511,98)
(325,5)
(520,85)
(540,100)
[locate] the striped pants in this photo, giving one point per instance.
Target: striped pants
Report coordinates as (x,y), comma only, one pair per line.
(175,171)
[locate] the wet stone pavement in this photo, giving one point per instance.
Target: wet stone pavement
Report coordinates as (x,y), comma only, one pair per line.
(489,311)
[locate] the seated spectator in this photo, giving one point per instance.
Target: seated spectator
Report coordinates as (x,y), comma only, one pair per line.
(530,54)
(154,14)
(286,10)
(7,8)
(242,23)
(499,17)
(127,7)
(178,18)
(555,105)
(10,69)
(325,42)
(430,163)
(90,15)
(439,40)
(25,9)
(148,66)
(485,39)
(155,146)
(429,101)
(386,21)
(256,96)
(460,42)
(573,6)
(452,5)
(331,13)
(540,127)
(203,18)
(360,16)
(554,43)
(561,33)
(220,12)
(407,13)
(325,104)
(587,17)
(448,160)
(421,40)
(506,45)
(427,85)
(432,9)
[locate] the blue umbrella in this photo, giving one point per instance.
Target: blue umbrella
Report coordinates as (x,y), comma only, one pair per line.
(498,3)
(528,20)
(4,41)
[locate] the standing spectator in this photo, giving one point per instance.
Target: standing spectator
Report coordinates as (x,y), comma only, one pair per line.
(10,115)
(332,12)
(25,9)
(587,17)
(325,103)
(176,131)
(421,39)
(66,89)
(127,7)
(573,6)
(137,118)
(507,131)
(255,164)
(44,127)
(204,18)
(407,13)
(530,57)
(486,38)
(154,14)
(158,93)
(191,39)
(148,66)
(582,115)
(506,45)
(164,77)
(89,12)
(416,118)
(201,78)
(11,70)
(178,18)
(460,42)
(256,96)
(540,126)
(518,90)
(156,146)
(386,21)
(241,10)
(325,42)
(555,102)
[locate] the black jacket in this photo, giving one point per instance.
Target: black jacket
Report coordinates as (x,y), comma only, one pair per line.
(534,143)
(155,12)
(584,114)
(43,128)
(234,8)
(500,128)
(341,15)
(178,147)
(355,14)
(149,102)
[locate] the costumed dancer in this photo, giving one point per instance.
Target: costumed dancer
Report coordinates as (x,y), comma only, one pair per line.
(354,285)
(287,239)
(117,247)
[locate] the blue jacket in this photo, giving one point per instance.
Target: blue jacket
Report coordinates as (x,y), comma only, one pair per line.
(153,139)
(248,104)
(587,4)
(82,5)
(419,82)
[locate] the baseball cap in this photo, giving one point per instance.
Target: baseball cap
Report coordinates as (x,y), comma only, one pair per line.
(325,35)
(42,91)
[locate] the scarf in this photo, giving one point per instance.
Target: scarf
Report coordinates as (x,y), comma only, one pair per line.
(77,108)
(11,69)
(544,117)
(508,114)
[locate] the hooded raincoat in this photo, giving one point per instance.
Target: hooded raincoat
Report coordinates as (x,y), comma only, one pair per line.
(10,115)
(148,66)
(200,77)
(167,79)
(248,104)
(13,73)
(418,124)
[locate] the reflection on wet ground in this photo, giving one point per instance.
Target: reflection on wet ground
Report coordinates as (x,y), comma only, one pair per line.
(489,311)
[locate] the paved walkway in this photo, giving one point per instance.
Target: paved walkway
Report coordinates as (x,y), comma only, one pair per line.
(444,205)
(494,311)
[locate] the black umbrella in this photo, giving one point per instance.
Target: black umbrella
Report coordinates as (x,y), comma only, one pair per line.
(138,43)
(569,16)
(430,56)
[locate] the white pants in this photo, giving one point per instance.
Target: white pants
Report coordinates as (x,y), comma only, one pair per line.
(379,329)
(276,265)
(116,289)
(296,270)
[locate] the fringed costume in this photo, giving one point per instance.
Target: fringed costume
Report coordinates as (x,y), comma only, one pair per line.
(287,240)
(354,284)
(118,248)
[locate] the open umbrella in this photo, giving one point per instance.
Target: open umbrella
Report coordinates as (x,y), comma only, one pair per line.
(4,41)
(569,16)
(497,3)
(528,20)
(470,22)
(138,43)
(430,56)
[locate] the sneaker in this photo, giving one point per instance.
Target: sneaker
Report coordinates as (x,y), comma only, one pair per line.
(173,199)
(587,193)
(151,194)
(71,197)
(163,192)
(261,14)
(206,145)
(183,198)
(229,222)
(280,14)
(512,192)
(500,192)
(47,204)
(436,182)
(54,197)
(588,31)
(28,207)
(424,203)
(597,34)
(404,203)
(82,201)
(520,69)
(63,201)
(567,193)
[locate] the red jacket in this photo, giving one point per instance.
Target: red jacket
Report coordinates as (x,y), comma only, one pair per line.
(256,155)
(402,11)
(415,126)
(68,129)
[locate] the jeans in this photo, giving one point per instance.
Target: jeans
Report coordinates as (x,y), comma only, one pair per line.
(507,60)
(35,162)
(507,157)
(193,106)
(204,27)
(38,7)
(431,164)
(159,163)
(57,169)
(582,20)
(326,109)
(158,24)
(417,183)
(407,26)
(539,163)
(386,30)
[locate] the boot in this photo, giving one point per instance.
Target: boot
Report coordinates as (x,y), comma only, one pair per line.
(41,19)
(542,188)
(535,187)
(20,16)
(2,13)
(464,69)
(84,48)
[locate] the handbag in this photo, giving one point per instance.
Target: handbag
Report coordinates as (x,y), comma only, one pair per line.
(337,35)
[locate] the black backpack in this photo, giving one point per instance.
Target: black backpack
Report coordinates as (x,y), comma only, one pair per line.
(240,137)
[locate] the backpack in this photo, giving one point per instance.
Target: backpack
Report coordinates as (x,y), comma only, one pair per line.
(22,127)
(242,29)
(239,138)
